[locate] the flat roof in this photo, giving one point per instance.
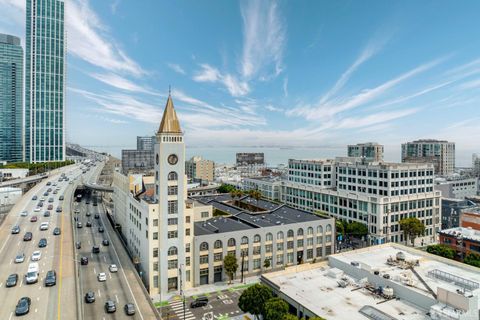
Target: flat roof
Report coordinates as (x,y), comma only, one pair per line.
(465,233)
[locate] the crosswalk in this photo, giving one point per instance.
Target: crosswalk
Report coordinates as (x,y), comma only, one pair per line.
(177,307)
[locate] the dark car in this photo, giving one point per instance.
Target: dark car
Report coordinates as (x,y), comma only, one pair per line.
(105,242)
(56,231)
(94,204)
(110,306)
(101,230)
(60,198)
(59,209)
(15,230)
(40,204)
(78,244)
(129,309)
(90,297)
(46,214)
(97,216)
(33,219)
(89,223)
(49,183)
(23,306)
(11,280)
(79,225)
(28,236)
(96,249)
(50,278)
(34,198)
(84,261)
(45,194)
(87,202)
(199,302)
(49,190)
(50,207)
(88,214)
(42,243)
(50,200)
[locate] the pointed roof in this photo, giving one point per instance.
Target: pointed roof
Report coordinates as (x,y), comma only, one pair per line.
(170,123)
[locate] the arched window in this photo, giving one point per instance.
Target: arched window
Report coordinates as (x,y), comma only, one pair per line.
(244,240)
(300,232)
(320,229)
(269,237)
(203,246)
(217,244)
(256,238)
(329,228)
(231,242)
(290,234)
(172,251)
(279,235)
(310,231)
(173,176)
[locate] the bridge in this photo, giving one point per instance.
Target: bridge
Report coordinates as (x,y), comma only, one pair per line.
(97,187)
(23,181)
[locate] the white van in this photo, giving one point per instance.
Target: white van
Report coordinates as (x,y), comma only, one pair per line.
(32,273)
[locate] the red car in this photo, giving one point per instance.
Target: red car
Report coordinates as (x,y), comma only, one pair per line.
(33,219)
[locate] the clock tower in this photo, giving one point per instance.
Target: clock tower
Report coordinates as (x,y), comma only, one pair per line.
(174,221)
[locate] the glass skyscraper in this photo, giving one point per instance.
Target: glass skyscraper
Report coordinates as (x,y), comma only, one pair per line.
(45,81)
(11,95)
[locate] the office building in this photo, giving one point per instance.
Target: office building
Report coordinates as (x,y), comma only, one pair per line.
(376,194)
(452,211)
(457,187)
(387,282)
(146,142)
(250,158)
(199,169)
(370,151)
(45,81)
(440,153)
(178,243)
(137,161)
(269,187)
(11,99)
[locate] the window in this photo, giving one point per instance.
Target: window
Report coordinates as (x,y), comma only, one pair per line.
(256,250)
(155,266)
(187,219)
(172,264)
(217,244)
(172,190)
(268,248)
(173,176)
(187,232)
(279,235)
(310,242)
(309,254)
(309,231)
(319,251)
(187,247)
(155,281)
(172,251)
(155,236)
(203,246)
(329,228)
(204,214)
(256,238)
(172,283)
(300,232)
(280,246)
(231,242)
(300,243)
(187,261)
(256,264)
(289,244)
(204,259)
(269,237)
(290,234)
(290,257)
(279,259)
(155,252)
(172,221)
(172,207)
(218,257)
(155,222)
(172,234)
(244,240)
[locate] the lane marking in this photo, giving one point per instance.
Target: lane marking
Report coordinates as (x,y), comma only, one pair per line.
(11,315)
(94,271)
(99,294)
(116,298)
(61,271)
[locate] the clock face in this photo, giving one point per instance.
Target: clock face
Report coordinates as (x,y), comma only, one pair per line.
(172,159)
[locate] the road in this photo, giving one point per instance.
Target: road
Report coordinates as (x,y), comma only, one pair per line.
(59,301)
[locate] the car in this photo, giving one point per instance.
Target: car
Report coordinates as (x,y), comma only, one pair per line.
(56,231)
(129,309)
(79,224)
(24,213)
(113,268)
(49,183)
(33,219)
(20,258)
(101,230)
(42,243)
(110,306)
(55,191)
(84,261)
(23,306)
(37,209)
(89,223)
(78,244)
(96,249)
(28,236)
(34,198)
(88,214)
(54,184)
(102,276)
(49,190)
(95,204)
(76,211)
(42,199)
(40,204)
(50,278)
(87,202)
(44,226)
(11,280)
(15,229)
(32,273)
(46,214)
(59,209)
(90,297)
(105,242)
(199,302)
(61,198)
(45,194)
(36,256)
(50,200)
(50,207)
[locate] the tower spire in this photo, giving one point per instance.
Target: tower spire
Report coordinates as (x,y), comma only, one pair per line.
(170,123)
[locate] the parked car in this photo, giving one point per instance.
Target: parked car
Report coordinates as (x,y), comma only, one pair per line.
(28,236)
(113,268)
(84,261)
(50,278)
(23,306)
(199,302)
(15,229)
(42,243)
(102,276)
(20,258)
(11,280)
(49,183)
(90,297)
(129,309)
(56,231)
(110,306)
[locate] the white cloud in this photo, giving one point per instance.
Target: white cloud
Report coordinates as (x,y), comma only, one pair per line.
(269,107)
(211,74)
(177,68)
(285,87)
(119,82)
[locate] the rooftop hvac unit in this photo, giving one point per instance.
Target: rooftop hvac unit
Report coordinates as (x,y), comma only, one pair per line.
(387,292)
(400,256)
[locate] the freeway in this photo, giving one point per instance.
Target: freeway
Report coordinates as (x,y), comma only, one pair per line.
(55,302)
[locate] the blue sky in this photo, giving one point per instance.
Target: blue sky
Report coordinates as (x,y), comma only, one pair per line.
(261,73)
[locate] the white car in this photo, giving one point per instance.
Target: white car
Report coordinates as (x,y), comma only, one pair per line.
(44,226)
(37,209)
(24,213)
(20,258)
(42,199)
(36,256)
(113,268)
(102,276)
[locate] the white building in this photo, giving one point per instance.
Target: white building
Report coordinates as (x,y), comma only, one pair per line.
(388,282)
(10,174)
(269,187)
(8,197)
(457,187)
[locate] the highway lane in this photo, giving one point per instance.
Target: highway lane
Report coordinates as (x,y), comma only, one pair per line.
(46,302)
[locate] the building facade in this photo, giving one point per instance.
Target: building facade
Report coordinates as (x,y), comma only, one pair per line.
(452,211)
(137,160)
(11,99)
(146,142)
(439,152)
(269,187)
(462,240)
(376,194)
(45,81)
(457,187)
(250,158)
(199,169)
(470,219)
(370,151)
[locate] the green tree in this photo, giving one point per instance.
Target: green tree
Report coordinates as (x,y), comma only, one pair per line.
(472,259)
(230,265)
(275,309)
(289,316)
(253,299)
(266,263)
(340,226)
(225,188)
(357,229)
(441,250)
(317,318)
(412,228)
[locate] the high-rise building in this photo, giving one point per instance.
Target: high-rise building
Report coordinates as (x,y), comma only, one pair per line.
(146,142)
(11,96)
(250,158)
(45,81)
(439,152)
(370,151)
(198,168)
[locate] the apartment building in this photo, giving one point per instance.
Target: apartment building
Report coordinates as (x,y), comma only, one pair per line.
(439,152)
(269,187)
(201,169)
(370,151)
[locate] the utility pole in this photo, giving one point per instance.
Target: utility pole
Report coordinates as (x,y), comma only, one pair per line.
(243,259)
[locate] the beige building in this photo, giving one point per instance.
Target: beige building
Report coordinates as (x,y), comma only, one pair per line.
(199,168)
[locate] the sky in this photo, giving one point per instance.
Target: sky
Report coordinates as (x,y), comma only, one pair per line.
(271,73)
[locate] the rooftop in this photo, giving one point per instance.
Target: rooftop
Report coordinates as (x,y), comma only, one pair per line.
(465,233)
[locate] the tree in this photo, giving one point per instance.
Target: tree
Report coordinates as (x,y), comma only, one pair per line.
(412,228)
(472,259)
(340,227)
(289,316)
(441,250)
(253,299)
(225,188)
(266,263)
(357,229)
(230,265)
(275,308)
(255,194)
